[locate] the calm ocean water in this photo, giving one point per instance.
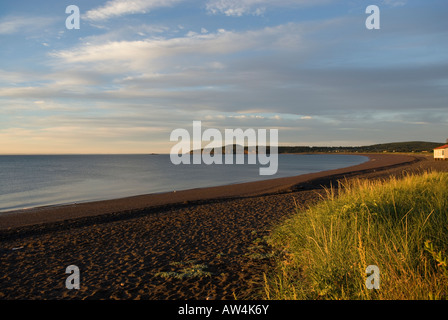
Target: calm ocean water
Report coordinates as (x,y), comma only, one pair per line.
(32,181)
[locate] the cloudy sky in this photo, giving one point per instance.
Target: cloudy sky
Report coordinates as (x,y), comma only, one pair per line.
(138,69)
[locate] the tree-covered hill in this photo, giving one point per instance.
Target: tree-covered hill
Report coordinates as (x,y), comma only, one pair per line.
(410,146)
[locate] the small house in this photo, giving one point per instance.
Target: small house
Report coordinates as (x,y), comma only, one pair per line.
(441,153)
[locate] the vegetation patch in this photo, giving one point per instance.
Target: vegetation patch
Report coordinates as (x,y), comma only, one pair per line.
(398,225)
(187,269)
(260,250)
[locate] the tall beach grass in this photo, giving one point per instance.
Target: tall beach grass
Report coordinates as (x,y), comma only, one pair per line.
(399,225)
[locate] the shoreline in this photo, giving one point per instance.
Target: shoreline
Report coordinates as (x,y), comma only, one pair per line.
(46,206)
(144,254)
(64,212)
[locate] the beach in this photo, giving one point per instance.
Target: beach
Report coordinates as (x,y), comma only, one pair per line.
(142,247)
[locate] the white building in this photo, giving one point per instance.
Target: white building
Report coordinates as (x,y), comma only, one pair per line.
(441,153)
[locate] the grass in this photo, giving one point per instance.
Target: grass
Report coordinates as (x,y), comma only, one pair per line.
(260,250)
(187,269)
(399,225)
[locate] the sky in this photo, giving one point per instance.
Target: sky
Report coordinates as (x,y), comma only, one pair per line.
(136,70)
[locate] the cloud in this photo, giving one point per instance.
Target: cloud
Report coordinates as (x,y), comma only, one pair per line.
(76,139)
(395,3)
(13,77)
(289,68)
(253,7)
(23,24)
(116,8)
(152,54)
(333,87)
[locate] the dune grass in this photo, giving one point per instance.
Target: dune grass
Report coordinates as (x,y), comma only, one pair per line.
(399,225)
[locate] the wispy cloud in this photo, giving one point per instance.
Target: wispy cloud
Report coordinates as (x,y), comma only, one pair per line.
(395,3)
(116,8)
(23,24)
(141,55)
(126,86)
(253,7)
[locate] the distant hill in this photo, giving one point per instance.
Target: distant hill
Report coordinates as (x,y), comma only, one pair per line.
(233,148)
(410,146)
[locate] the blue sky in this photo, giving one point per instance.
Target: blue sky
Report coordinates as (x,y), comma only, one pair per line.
(136,70)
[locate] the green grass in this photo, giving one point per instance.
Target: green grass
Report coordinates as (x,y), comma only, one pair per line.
(187,269)
(399,225)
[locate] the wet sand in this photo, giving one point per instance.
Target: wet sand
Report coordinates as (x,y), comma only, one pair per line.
(145,247)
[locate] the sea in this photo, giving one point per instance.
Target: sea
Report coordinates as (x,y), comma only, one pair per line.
(47,180)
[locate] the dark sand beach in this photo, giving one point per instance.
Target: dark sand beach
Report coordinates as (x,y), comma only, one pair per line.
(124,246)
